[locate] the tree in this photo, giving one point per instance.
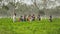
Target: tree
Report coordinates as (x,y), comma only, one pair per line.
(37,5)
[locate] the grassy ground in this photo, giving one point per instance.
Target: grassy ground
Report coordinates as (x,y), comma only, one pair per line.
(34,27)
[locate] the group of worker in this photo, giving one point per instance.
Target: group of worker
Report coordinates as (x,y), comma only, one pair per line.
(29,18)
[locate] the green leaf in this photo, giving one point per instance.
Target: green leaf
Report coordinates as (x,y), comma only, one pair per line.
(5,7)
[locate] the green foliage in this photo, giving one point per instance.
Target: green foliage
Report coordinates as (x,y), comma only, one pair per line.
(13,4)
(5,7)
(41,12)
(34,27)
(0,0)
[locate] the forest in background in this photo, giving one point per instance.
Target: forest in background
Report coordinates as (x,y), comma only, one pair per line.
(43,7)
